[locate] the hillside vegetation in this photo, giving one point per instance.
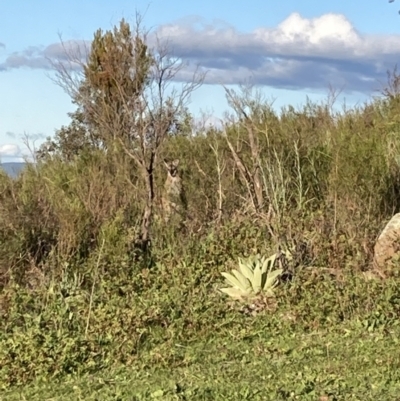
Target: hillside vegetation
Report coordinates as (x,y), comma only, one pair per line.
(104,296)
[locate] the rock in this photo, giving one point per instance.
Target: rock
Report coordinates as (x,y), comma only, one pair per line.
(387,246)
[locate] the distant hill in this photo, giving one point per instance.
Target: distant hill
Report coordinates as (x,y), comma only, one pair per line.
(12,169)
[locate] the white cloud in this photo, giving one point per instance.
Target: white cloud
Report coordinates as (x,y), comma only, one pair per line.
(10,150)
(298,53)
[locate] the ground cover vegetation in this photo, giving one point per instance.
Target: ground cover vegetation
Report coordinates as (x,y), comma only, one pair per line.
(111,264)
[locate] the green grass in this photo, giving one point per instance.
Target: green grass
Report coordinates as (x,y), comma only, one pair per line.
(339,345)
(343,364)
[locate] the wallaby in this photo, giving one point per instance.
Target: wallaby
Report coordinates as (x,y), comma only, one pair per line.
(173,199)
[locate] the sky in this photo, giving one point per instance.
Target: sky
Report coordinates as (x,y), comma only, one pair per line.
(290,50)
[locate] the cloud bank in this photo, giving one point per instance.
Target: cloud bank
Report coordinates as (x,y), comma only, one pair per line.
(299,53)
(36,57)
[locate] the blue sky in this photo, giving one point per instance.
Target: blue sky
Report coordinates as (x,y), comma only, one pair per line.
(290,49)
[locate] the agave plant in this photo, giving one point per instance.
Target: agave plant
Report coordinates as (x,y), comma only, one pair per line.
(255,275)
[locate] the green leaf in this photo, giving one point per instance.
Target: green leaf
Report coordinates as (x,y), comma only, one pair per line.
(232,280)
(271,278)
(246,270)
(245,283)
(233,292)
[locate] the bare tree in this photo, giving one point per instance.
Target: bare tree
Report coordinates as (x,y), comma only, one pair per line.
(124,90)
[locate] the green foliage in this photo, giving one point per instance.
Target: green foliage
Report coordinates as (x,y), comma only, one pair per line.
(173,337)
(81,303)
(255,275)
(117,72)
(115,75)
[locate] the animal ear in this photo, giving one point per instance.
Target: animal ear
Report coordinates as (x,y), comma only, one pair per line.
(166,164)
(175,163)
